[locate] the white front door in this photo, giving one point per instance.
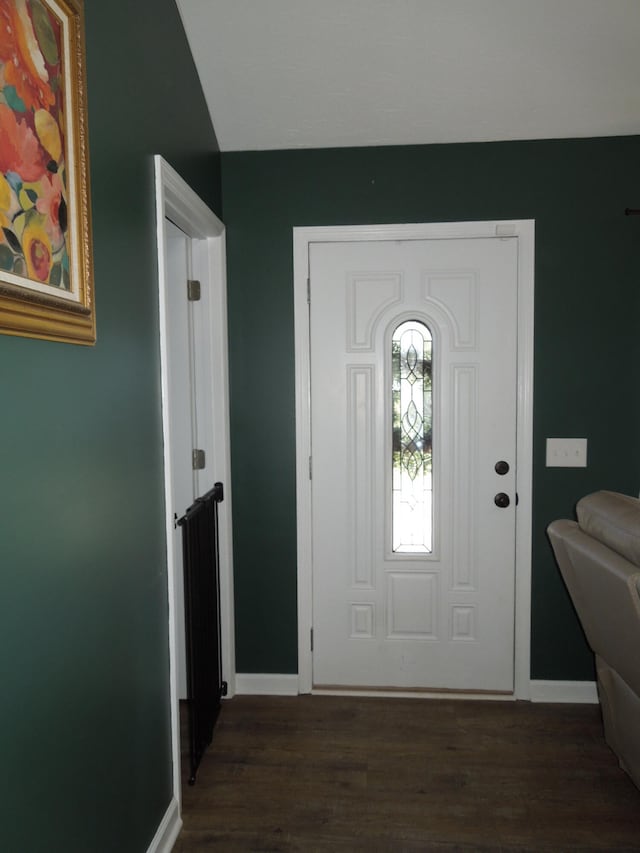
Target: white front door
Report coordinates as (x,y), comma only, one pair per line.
(399,602)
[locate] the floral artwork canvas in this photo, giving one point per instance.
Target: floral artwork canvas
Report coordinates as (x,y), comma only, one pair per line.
(44,236)
(33,201)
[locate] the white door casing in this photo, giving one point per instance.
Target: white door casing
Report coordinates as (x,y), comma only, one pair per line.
(439,618)
(523,232)
(176,201)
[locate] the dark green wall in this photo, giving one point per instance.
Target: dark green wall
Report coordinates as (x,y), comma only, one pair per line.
(586,340)
(84,652)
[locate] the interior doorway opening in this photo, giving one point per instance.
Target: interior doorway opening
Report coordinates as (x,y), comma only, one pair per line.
(191,240)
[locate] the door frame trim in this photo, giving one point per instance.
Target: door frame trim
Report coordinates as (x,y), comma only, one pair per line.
(524,230)
(175,200)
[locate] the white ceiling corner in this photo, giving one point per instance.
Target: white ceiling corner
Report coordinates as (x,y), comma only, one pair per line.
(325,73)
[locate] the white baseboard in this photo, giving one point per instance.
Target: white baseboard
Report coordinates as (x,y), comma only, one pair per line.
(580,692)
(273,684)
(266,684)
(168,831)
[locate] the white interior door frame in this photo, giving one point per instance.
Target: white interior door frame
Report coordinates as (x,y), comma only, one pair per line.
(176,201)
(525,231)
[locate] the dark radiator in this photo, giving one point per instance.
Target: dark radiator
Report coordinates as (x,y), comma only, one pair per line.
(205,686)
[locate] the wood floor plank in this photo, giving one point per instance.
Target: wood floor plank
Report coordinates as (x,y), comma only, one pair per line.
(316,773)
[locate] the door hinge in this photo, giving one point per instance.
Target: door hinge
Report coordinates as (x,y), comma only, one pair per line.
(308,291)
(311,638)
(193,290)
(197,459)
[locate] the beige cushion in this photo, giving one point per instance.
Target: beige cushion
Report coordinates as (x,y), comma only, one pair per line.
(599,559)
(614,520)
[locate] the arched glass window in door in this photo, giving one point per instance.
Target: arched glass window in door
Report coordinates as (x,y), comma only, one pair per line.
(412,481)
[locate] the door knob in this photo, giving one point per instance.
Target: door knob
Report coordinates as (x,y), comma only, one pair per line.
(501,500)
(502,467)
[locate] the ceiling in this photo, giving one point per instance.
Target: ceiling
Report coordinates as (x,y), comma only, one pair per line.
(335,73)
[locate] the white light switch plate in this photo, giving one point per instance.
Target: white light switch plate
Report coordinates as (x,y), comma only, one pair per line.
(566,453)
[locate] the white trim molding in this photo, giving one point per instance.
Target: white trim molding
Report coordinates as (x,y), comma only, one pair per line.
(572,692)
(176,201)
(524,230)
(266,684)
(273,684)
(168,831)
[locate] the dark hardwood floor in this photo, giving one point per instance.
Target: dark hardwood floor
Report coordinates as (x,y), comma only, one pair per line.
(320,773)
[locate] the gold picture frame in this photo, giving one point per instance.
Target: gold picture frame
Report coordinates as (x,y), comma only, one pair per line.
(46,262)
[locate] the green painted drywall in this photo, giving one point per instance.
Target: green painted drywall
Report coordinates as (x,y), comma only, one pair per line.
(84,653)
(586,340)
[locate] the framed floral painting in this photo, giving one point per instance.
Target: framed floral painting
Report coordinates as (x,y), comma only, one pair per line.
(46,269)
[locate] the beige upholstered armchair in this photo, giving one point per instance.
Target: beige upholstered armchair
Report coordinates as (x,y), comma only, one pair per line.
(599,558)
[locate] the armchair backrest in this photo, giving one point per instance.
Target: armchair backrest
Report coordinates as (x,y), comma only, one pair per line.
(599,560)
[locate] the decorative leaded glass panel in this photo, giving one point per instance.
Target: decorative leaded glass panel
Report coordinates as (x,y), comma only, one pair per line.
(412,481)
